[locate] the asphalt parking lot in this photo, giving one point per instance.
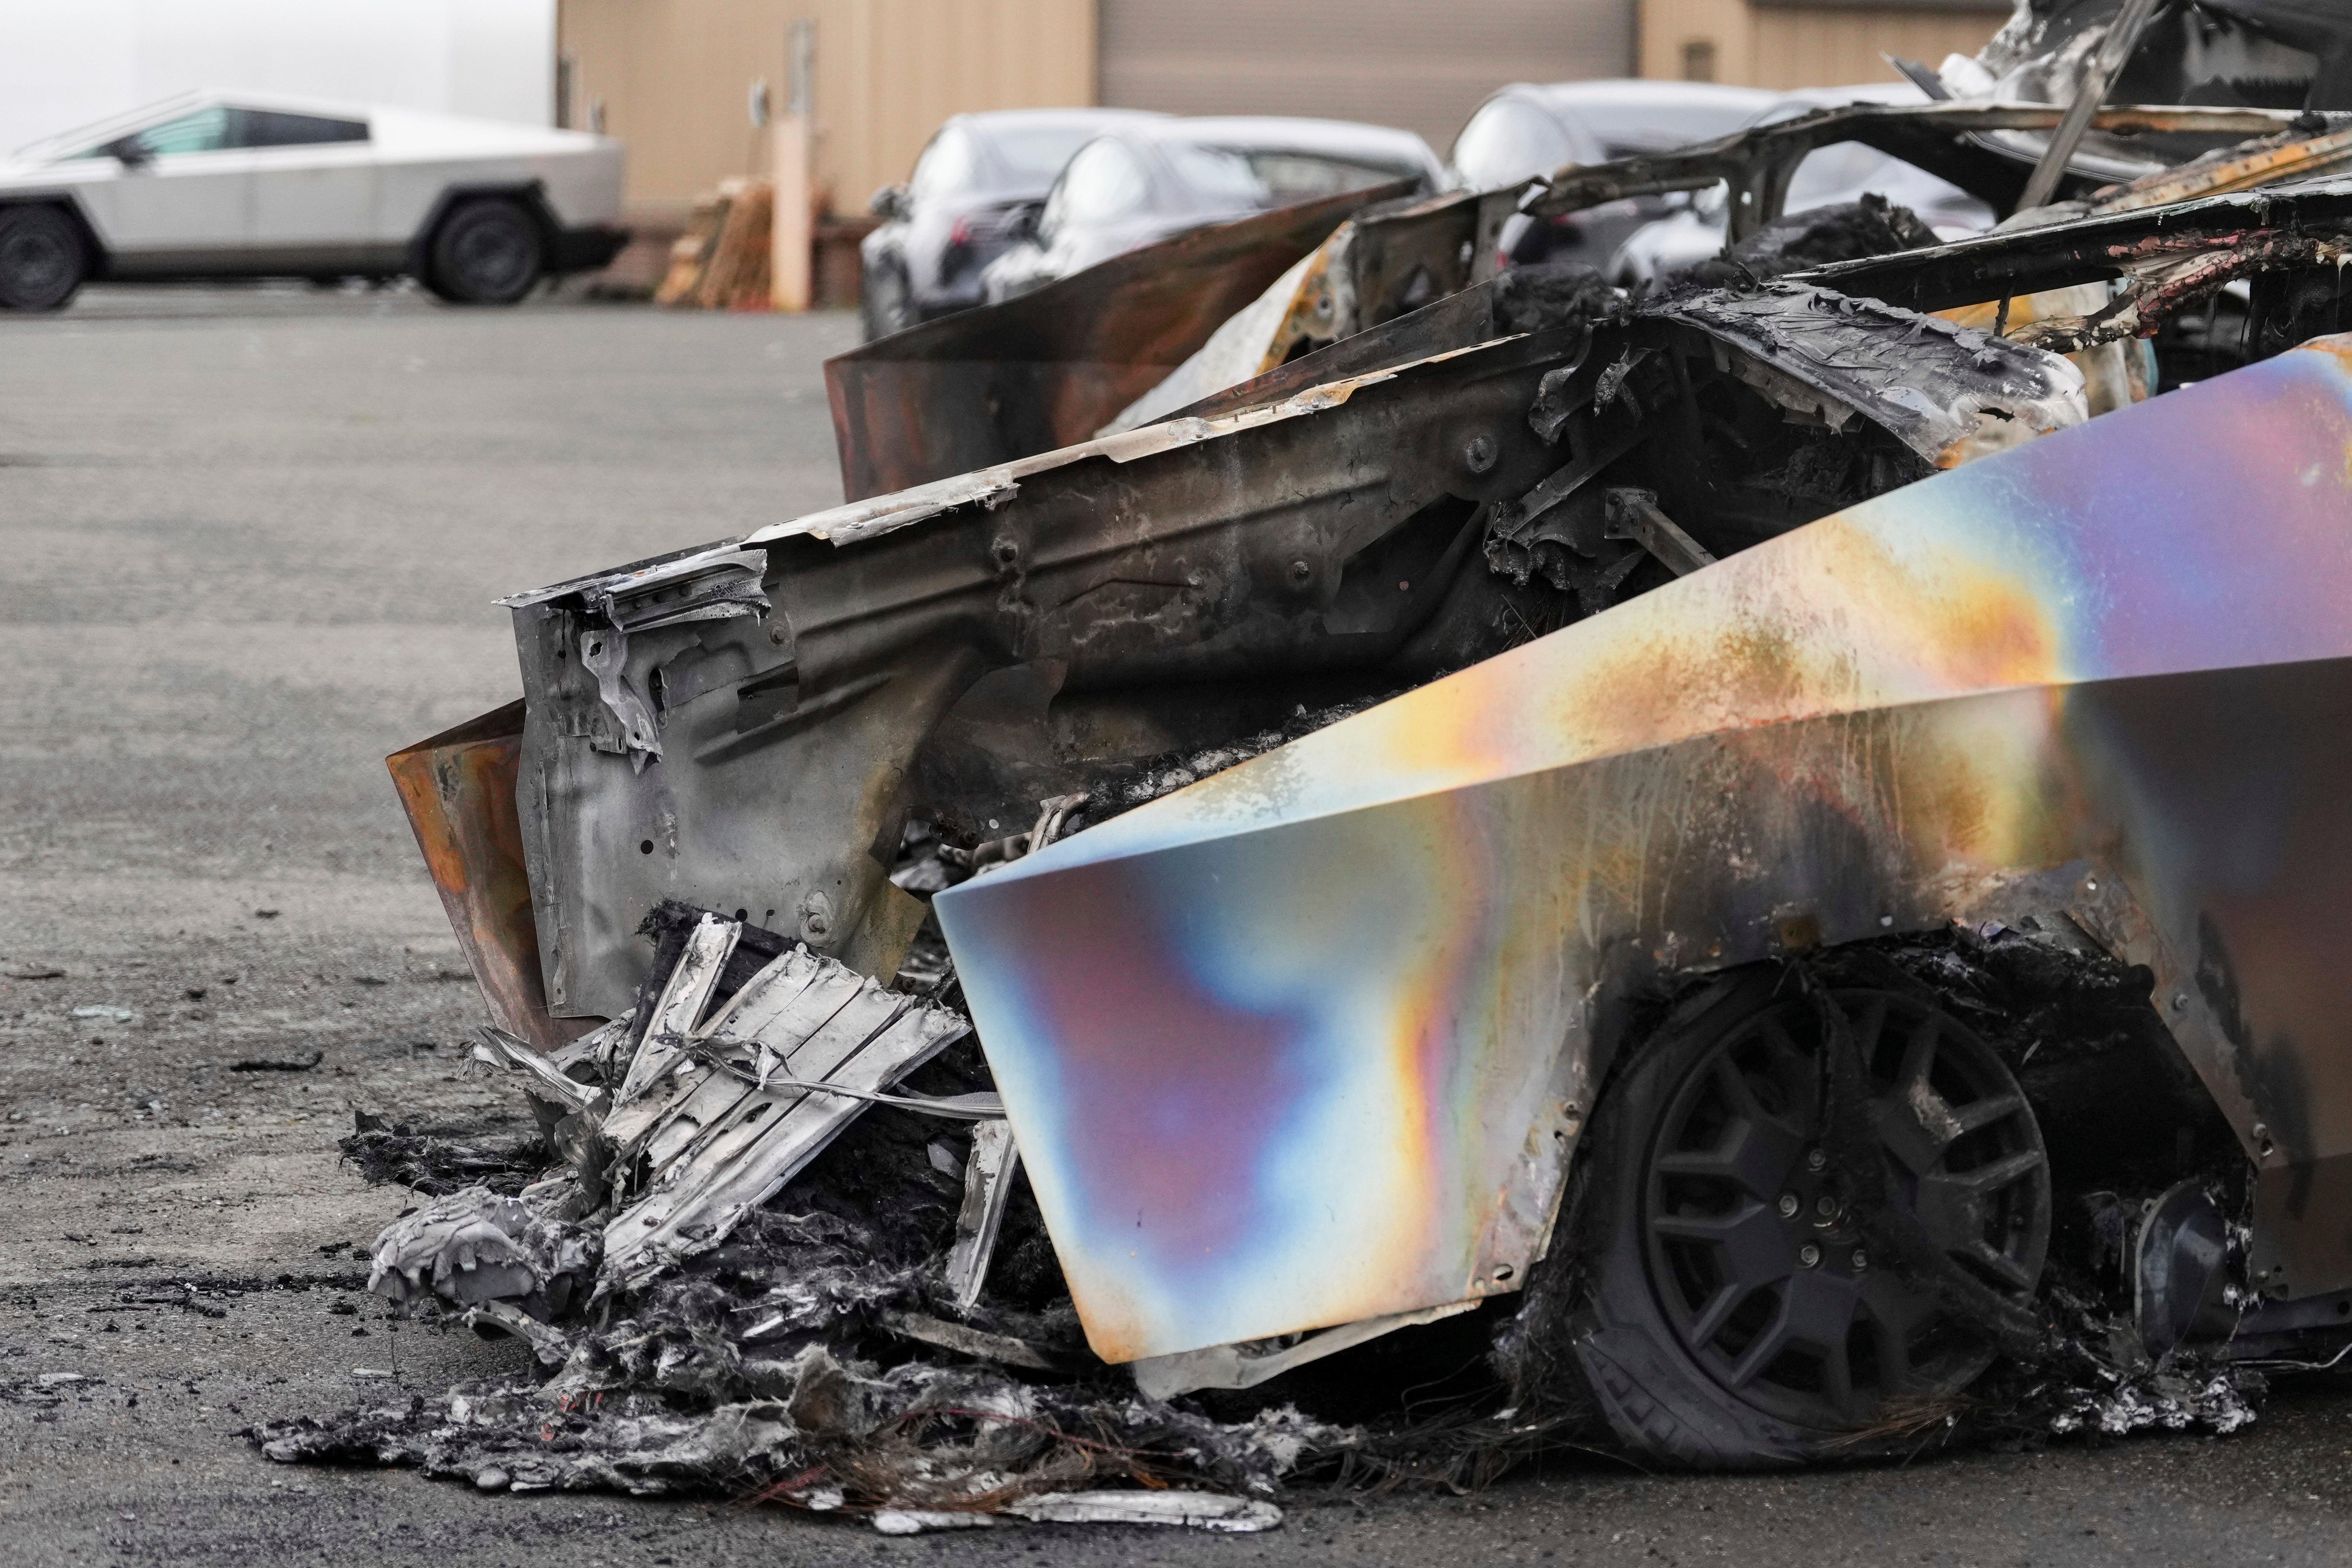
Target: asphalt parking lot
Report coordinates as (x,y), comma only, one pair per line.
(248,540)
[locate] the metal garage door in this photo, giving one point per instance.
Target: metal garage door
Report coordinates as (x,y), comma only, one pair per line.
(1421,64)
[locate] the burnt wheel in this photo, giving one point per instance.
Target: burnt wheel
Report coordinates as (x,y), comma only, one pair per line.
(42,261)
(1736,1314)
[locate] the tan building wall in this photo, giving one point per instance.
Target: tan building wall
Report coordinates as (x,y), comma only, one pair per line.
(1789,43)
(1421,64)
(673,78)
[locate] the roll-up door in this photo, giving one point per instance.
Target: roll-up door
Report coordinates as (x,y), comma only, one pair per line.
(1419,64)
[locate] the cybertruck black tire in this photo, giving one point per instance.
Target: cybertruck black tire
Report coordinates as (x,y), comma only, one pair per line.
(42,259)
(488,251)
(1731,1317)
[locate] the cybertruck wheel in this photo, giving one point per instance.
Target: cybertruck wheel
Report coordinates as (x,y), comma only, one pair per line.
(42,261)
(1733,1315)
(486,252)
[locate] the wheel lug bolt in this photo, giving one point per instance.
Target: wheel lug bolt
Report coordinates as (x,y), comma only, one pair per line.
(1860,1262)
(1809,1255)
(1825,1206)
(1788,1206)
(1815,1160)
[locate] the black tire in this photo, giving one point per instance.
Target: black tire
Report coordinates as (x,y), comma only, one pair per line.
(885,302)
(488,251)
(42,259)
(1706,1336)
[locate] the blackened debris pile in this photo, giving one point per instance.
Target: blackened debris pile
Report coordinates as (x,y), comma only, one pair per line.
(810,1344)
(928,861)
(1847,231)
(811,1431)
(796,1332)
(397,1153)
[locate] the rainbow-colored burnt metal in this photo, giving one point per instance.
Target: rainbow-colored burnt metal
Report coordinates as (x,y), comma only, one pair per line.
(1309,1042)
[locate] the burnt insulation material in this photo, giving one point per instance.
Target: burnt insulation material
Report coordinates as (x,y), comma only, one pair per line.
(397,1154)
(1845,232)
(769,1364)
(1122,789)
(1552,294)
(824,1434)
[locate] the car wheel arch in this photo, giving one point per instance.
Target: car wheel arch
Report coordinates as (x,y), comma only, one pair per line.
(94,248)
(1635,1015)
(530,195)
(1635,1003)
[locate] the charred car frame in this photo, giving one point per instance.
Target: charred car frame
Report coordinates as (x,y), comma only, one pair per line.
(1741,834)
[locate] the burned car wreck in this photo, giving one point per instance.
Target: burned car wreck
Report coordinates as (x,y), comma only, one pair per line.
(1753,860)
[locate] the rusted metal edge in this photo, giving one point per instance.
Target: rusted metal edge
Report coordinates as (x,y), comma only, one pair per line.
(986,387)
(637,577)
(1948,140)
(860,521)
(457,790)
(2089,249)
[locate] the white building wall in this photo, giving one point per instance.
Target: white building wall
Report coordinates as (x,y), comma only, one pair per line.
(63,63)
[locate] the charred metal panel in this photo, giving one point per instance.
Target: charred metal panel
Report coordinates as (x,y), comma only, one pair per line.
(779,789)
(1816,354)
(1049,369)
(1387,261)
(1400,258)
(2247,225)
(1856,353)
(2266,161)
(1458,318)
(1310,1041)
(1956,142)
(746,768)
(458,791)
(1346,532)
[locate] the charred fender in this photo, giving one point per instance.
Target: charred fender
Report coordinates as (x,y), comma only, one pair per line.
(1350,984)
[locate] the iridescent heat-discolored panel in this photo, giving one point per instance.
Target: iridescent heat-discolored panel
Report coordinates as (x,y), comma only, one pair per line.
(1309,1042)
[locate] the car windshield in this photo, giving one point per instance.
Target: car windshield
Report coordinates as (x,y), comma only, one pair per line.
(1103,183)
(1033,154)
(1508,142)
(1291,177)
(200,130)
(1218,177)
(946,167)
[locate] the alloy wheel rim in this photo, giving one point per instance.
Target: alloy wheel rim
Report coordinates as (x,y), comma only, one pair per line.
(1750,1232)
(35,264)
(493,256)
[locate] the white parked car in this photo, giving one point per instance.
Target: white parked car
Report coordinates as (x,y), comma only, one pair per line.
(1527,130)
(1149,180)
(211,185)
